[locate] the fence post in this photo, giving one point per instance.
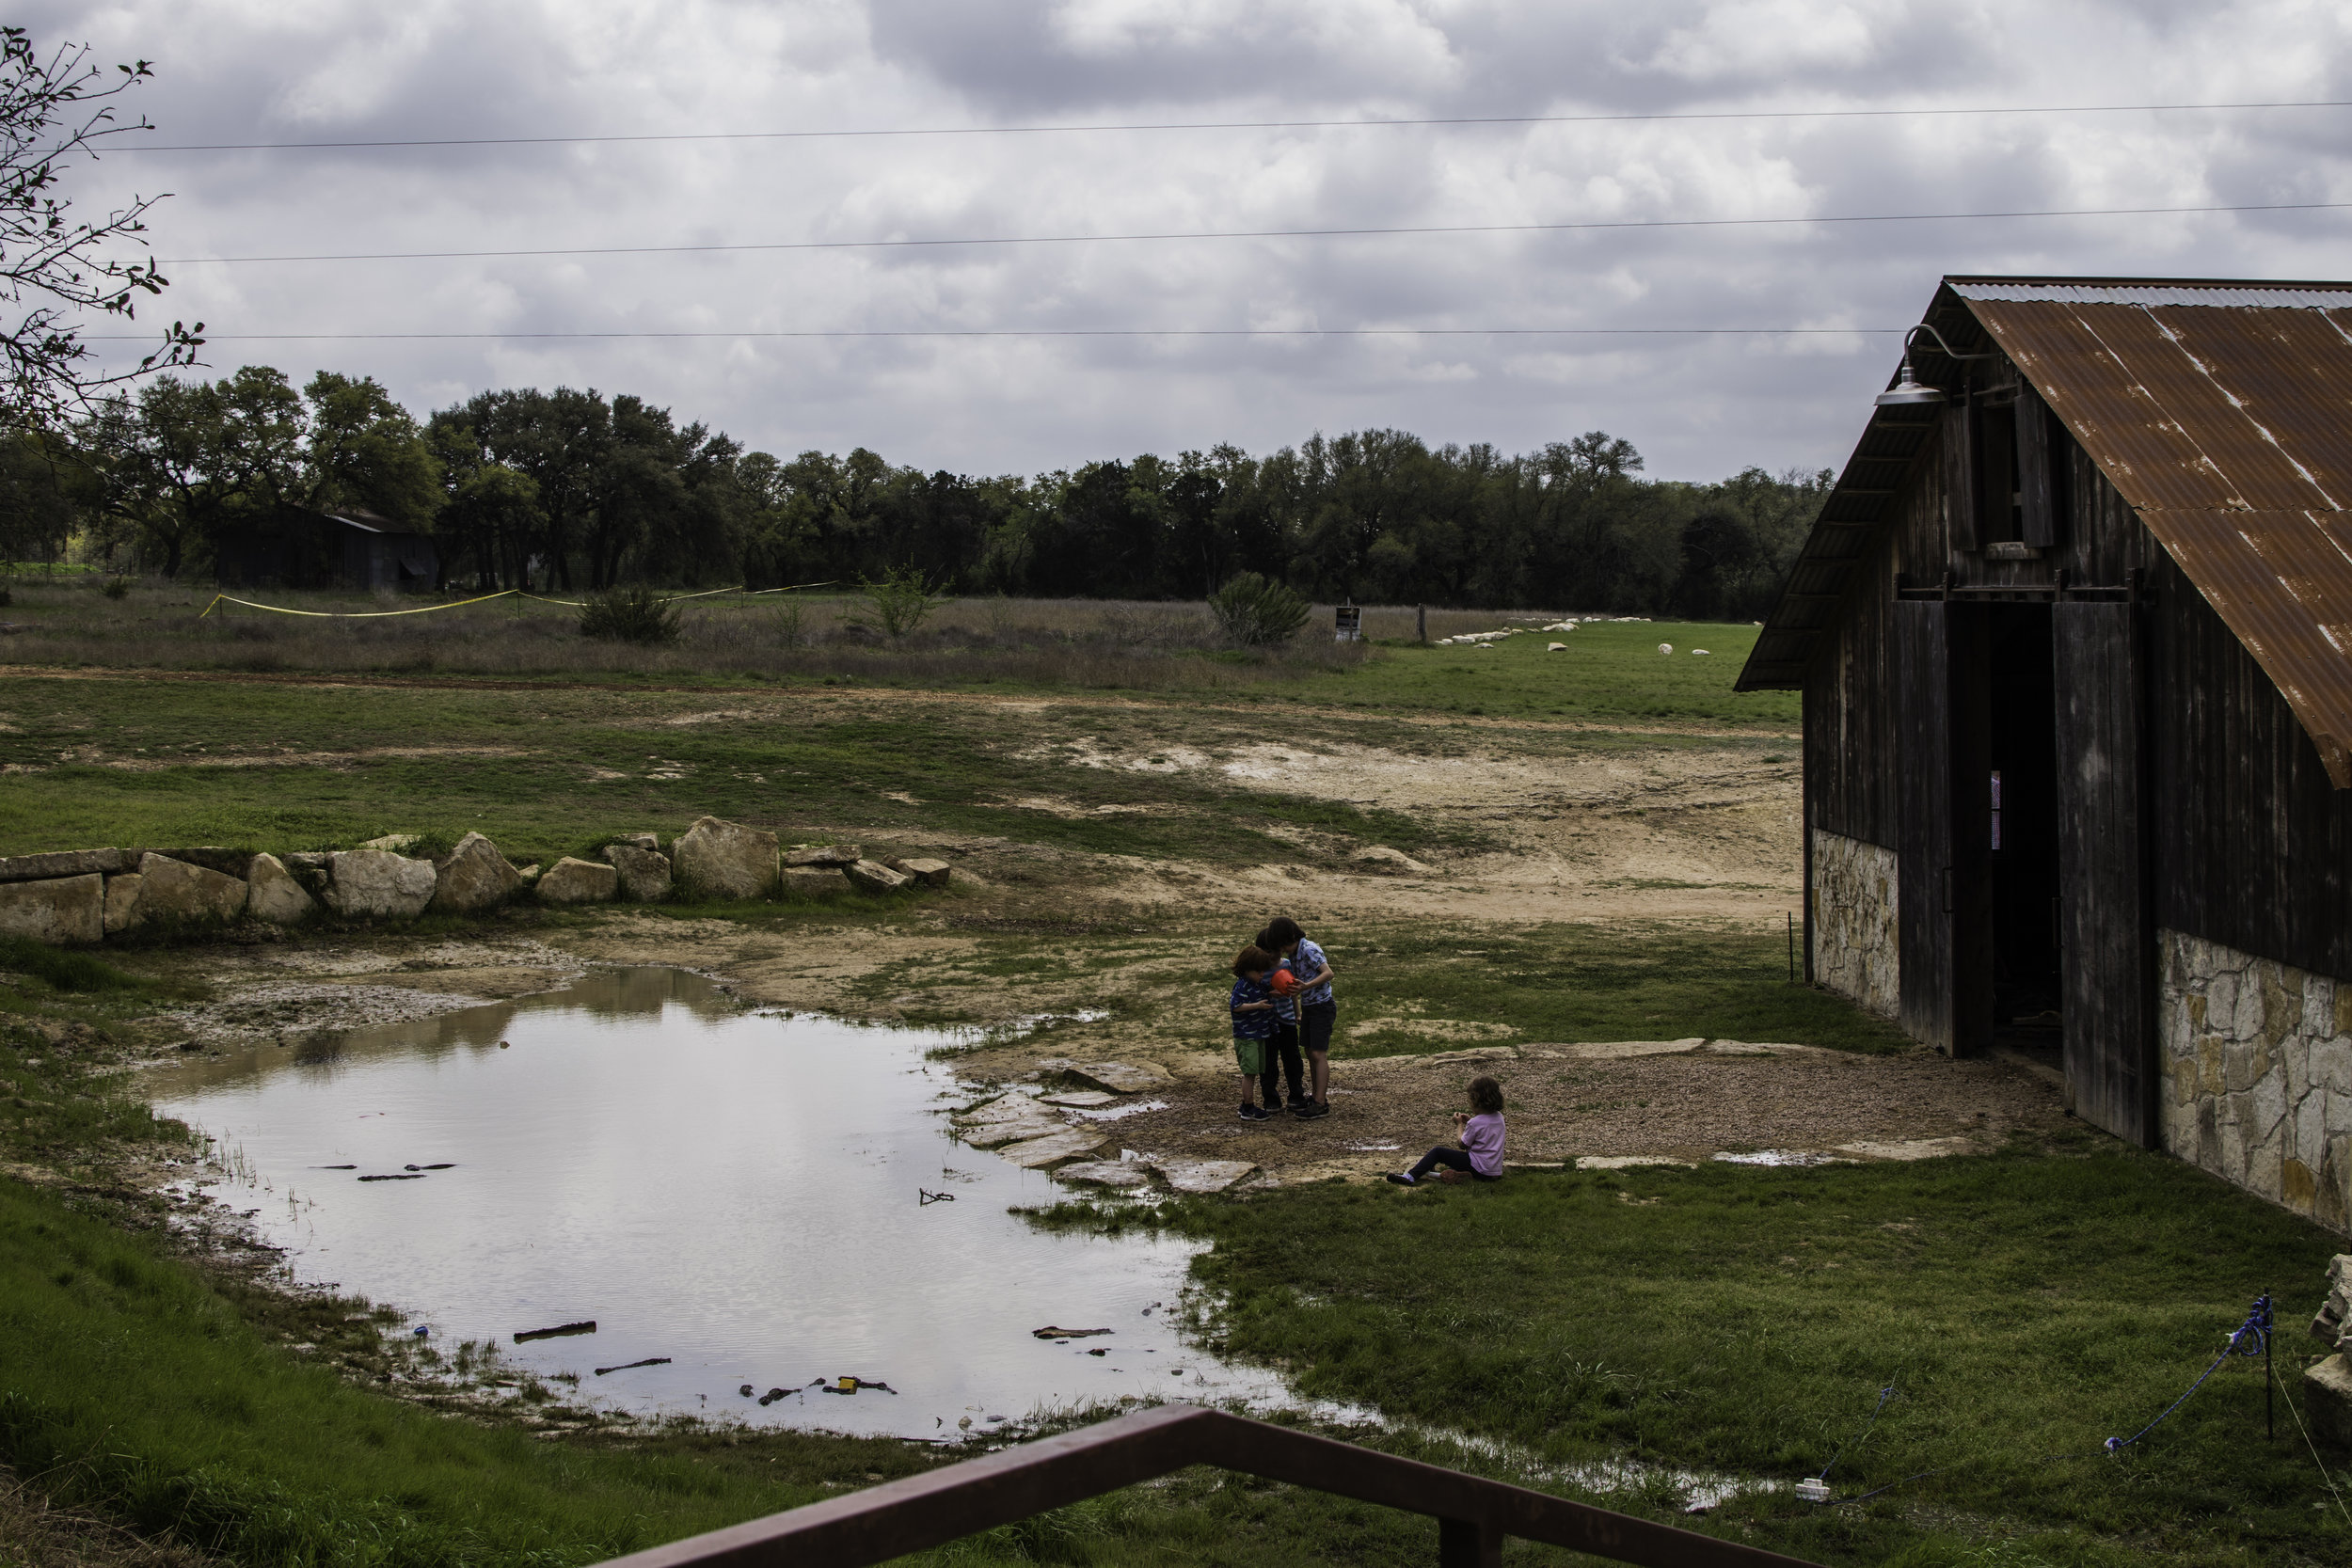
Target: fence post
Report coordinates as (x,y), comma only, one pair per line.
(1469,1543)
(1420,623)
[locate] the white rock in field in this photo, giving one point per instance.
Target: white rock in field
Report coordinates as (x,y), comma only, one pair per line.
(1555,647)
(929,873)
(577,882)
(56,910)
(472,876)
(716,858)
(174,890)
(378,882)
(1665,647)
(1698,653)
(644,873)
(390,843)
(272,894)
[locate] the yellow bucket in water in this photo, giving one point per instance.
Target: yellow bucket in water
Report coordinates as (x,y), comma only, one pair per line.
(846,1384)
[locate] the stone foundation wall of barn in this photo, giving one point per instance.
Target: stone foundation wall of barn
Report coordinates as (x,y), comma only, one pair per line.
(2256,1057)
(1855,952)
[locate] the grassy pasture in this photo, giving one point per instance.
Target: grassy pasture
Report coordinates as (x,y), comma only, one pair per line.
(2022,1305)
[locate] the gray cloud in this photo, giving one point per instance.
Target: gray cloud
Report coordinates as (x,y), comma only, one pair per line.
(1697,407)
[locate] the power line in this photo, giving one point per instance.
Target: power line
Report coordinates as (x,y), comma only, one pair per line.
(1059,332)
(1259,234)
(1242,125)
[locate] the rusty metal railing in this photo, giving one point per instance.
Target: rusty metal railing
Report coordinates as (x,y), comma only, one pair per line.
(1473,1513)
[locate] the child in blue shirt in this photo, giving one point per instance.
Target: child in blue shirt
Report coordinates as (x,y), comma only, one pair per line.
(1254,1024)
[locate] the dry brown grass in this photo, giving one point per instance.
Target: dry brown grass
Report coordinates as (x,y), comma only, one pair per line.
(1080,642)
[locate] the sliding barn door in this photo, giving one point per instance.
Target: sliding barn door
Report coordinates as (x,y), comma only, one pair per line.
(1923,684)
(2107,940)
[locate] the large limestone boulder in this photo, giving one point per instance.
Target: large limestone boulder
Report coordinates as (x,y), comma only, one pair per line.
(577,882)
(377,883)
(174,890)
(874,876)
(122,901)
(2327,1400)
(272,893)
(472,876)
(644,873)
(830,856)
(724,859)
(61,909)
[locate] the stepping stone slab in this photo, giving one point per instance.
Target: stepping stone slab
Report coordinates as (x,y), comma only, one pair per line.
(1202,1176)
(833,856)
(1477,1054)
(1124,1174)
(1013,1107)
(1082,1099)
(1057,1149)
(996,1134)
(1124,1077)
(1611,1051)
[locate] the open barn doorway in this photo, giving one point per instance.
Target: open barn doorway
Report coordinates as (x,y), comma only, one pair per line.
(1979,857)
(2021,834)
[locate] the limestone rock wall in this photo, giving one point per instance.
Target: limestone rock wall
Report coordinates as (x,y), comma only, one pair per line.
(1855,951)
(2256,1057)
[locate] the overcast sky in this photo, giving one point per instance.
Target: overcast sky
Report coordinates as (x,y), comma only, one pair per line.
(1698,407)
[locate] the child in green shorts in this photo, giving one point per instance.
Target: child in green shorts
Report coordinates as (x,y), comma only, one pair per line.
(1253,1025)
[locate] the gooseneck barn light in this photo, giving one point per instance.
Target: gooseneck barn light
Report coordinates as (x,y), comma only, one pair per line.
(1907,391)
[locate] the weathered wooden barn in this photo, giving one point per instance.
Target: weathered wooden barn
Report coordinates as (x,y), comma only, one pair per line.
(327,550)
(2075,639)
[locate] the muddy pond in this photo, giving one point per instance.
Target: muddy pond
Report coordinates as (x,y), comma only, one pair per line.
(739,1192)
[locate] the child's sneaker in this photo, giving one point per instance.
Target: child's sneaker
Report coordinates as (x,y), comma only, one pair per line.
(1251,1113)
(1313,1109)
(1403,1178)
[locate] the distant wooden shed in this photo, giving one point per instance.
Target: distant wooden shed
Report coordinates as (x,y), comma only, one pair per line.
(2075,639)
(350,549)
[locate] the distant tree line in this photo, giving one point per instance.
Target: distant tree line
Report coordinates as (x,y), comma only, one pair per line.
(572,490)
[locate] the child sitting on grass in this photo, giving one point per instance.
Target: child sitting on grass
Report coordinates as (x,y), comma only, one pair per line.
(1253,1025)
(1480,1137)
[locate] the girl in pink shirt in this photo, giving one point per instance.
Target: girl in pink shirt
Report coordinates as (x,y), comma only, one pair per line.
(1481,1138)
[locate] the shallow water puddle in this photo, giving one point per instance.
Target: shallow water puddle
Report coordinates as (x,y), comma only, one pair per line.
(739,1192)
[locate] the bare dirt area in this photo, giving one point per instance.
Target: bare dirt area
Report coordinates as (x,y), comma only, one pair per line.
(1637,1103)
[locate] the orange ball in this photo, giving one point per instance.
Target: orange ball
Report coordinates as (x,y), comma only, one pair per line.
(1285,982)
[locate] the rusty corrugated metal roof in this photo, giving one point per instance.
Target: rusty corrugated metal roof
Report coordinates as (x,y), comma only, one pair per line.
(2222,412)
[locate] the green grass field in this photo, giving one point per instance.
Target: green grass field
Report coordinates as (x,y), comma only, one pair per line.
(1742,1321)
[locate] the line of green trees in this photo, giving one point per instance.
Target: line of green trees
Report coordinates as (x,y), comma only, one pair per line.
(574,490)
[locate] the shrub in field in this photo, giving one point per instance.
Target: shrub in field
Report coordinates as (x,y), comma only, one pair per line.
(901,601)
(629,615)
(117,588)
(1252,612)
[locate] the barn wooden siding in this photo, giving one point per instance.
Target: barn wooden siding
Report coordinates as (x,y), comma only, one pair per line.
(2248,843)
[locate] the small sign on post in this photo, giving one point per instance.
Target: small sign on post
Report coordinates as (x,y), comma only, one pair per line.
(1348,623)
